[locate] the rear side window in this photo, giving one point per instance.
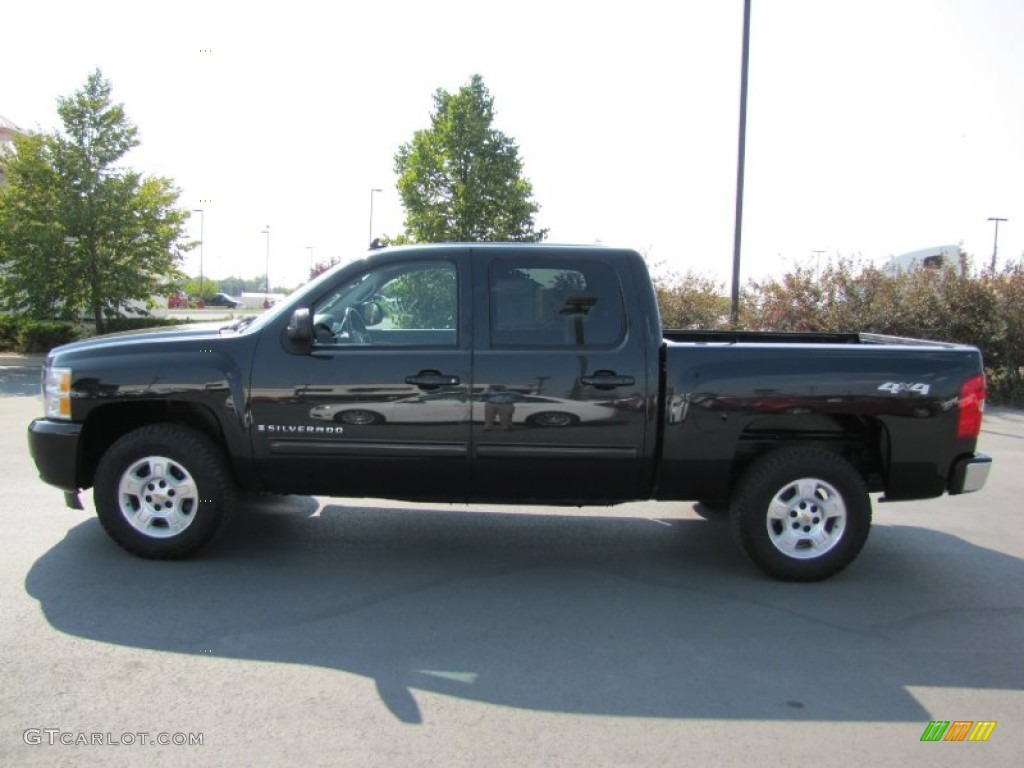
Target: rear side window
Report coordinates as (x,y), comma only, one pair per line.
(560,304)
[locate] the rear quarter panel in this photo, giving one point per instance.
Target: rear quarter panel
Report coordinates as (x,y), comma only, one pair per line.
(901,398)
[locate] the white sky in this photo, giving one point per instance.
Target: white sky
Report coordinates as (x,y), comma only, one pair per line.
(875,127)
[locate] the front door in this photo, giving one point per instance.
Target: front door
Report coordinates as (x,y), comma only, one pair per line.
(381,404)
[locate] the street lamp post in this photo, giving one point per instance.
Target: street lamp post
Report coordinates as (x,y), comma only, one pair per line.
(372,191)
(202,222)
(995,242)
(740,168)
(266,298)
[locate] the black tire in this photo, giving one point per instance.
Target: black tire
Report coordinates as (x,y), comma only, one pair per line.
(801,513)
(163,491)
(712,509)
(553,419)
(358,417)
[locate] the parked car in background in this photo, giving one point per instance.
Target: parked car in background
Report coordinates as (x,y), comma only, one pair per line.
(222,300)
(177,300)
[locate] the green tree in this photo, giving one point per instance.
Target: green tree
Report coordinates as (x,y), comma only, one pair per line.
(33,243)
(461,179)
(423,298)
(210,287)
(104,236)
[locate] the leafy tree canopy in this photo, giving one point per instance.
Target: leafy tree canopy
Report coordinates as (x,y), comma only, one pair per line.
(78,233)
(461,179)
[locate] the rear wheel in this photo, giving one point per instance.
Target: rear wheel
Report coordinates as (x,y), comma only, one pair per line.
(801,513)
(163,491)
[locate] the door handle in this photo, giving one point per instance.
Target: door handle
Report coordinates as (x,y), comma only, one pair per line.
(432,380)
(607,380)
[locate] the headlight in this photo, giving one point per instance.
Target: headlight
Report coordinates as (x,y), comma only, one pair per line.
(57,393)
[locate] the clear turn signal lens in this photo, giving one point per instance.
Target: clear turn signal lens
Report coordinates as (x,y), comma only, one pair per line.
(57,393)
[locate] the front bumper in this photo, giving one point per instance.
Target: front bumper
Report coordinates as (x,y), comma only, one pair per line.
(54,447)
(969,473)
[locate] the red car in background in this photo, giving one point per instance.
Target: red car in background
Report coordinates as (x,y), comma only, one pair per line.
(177,300)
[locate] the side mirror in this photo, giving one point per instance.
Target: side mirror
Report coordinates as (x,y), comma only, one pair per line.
(300,328)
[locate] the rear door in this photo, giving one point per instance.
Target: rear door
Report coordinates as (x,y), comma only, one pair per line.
(559,405)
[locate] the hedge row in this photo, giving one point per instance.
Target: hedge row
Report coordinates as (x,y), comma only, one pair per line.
(18,334)
(951,304)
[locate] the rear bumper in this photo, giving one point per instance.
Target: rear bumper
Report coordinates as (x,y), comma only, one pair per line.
(54,448)
(969,473)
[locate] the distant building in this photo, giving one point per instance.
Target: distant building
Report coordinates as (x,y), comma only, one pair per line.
(7,131)
(927,258)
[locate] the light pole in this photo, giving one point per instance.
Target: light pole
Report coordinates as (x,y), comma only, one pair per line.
(372,190)
(995,243)
(266,298)
(740,165)
(817,263)
(202,222)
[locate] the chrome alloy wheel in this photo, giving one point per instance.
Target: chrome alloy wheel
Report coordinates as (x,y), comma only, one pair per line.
(158,497)
(806,518)
(359,417)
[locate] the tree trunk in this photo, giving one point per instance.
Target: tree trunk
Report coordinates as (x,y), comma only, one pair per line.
(94,287)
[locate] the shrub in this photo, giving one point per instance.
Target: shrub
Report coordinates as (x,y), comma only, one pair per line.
(42,336)
(9,327)
(116,324)
(691,301)
(952,304)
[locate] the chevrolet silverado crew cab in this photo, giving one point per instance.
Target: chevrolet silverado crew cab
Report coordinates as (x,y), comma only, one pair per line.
(507,373)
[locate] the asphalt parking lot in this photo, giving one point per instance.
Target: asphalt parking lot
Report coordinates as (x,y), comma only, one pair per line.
(360,632)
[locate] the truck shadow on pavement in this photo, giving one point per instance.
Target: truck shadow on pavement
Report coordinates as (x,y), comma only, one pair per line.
(594,615)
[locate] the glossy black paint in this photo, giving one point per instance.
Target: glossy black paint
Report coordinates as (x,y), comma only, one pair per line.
(302,440)
(781,390)
(478,414)
(123,380)
(53,446)
(601,455)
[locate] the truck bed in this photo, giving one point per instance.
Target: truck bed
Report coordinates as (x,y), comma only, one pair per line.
(790,337)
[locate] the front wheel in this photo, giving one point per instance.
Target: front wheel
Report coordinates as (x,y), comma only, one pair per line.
(801,513)
(163,491)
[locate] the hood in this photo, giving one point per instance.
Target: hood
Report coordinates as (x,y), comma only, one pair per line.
(125,341)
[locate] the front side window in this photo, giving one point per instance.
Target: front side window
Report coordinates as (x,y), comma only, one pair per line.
(578,304)
(408,304)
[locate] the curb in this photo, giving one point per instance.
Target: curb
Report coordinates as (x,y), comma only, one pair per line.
(17,360)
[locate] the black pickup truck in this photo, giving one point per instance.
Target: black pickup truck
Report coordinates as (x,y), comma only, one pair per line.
(508,373)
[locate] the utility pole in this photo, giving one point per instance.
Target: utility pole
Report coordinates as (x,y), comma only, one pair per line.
(266,300)
(372,191)
(740,166)
(202,222)
(995,243)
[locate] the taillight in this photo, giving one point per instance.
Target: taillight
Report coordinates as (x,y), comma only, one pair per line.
(971,407)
